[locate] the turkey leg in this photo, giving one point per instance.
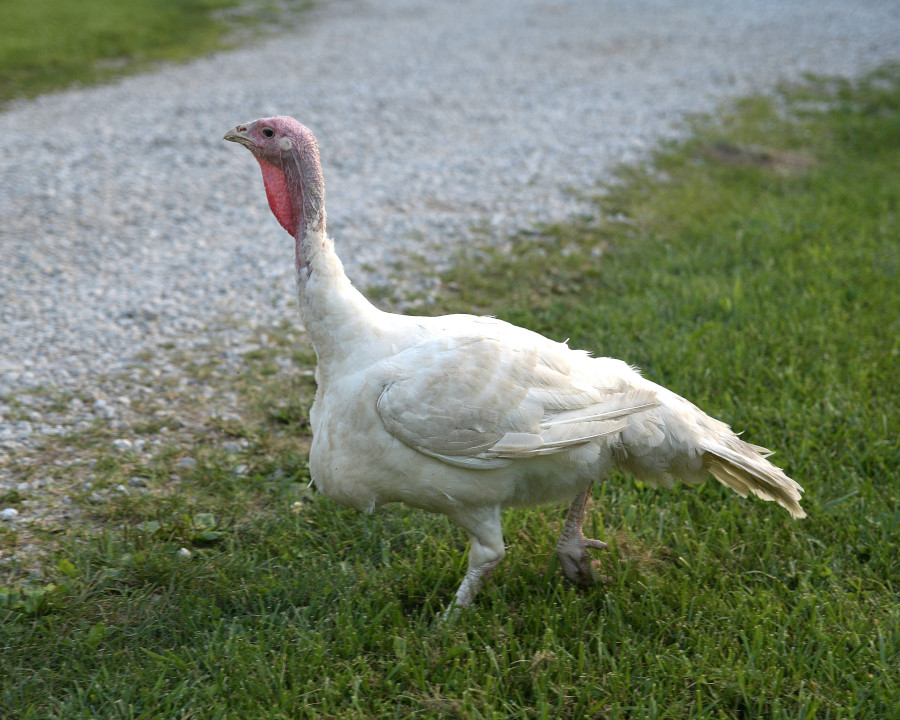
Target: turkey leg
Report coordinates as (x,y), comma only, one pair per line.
(486,550)
(573,545)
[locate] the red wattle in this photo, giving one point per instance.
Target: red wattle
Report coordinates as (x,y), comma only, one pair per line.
(279,197)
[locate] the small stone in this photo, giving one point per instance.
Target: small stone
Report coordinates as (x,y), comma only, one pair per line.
(9,514)
(232,447)
(184,552)
(187,462)
(122,444)
(101,409)
(137,482)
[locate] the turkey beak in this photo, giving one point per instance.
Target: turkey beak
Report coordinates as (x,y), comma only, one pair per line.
(239,135)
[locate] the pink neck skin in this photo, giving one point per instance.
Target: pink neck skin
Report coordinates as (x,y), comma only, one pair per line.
(293,205)
(283,206)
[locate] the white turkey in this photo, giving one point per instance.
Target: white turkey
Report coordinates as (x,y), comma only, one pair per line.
(466,415)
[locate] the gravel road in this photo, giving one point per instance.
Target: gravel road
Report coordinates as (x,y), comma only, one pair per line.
(126,222)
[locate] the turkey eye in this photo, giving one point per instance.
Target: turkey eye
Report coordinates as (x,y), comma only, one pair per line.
(268,132)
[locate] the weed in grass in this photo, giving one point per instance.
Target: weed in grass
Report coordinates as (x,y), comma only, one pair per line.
(762,288)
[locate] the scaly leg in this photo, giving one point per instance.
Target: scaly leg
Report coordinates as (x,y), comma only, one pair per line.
(573,545)
(486,550)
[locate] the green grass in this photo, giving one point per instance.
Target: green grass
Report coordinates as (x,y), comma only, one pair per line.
(50,44)
(752,269)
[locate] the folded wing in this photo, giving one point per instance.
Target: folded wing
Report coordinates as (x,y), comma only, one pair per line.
(480,403)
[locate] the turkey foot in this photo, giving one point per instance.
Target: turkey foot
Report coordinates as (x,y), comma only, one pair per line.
(573,545)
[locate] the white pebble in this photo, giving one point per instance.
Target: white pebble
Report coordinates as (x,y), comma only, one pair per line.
(8,514)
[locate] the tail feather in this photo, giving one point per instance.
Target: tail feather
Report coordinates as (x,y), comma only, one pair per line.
(744,469)
(677,440)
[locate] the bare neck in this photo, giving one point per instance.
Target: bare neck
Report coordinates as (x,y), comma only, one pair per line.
(336,316)
(306,189)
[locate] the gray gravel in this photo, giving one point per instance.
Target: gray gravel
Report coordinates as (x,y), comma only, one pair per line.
(126,222)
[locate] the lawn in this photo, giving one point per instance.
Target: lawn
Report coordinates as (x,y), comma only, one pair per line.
(51,44)
(752,268)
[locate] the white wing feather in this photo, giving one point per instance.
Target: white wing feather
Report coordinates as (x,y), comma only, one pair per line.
(479,403)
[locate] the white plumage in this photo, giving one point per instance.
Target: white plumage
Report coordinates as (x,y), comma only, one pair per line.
(465,415)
